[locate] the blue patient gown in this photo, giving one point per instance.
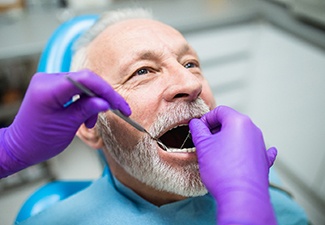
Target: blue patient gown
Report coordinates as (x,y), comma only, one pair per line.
(107,201)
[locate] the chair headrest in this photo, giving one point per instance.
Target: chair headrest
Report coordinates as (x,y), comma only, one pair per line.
(57,54)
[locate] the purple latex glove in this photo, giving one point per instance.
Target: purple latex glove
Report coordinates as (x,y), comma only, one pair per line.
(234,166)
(43,127)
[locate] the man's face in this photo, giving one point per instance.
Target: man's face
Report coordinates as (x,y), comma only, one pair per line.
(152,66)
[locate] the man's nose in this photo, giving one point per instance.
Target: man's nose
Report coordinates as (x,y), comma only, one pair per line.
(182,85)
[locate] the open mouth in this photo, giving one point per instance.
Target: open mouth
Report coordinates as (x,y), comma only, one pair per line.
(178,139)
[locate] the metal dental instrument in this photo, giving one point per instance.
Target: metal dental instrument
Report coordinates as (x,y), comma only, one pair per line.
(138,127)
(188,136)
(89,93)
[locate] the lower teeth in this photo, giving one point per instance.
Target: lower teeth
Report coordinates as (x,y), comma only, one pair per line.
(176,150)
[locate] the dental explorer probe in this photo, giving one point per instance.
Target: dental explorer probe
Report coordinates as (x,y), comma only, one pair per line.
(89,93)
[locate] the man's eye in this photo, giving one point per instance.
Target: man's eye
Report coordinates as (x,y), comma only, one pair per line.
(190,65)
(142,71)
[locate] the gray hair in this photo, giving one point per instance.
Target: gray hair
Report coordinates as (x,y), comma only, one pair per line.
(79,59)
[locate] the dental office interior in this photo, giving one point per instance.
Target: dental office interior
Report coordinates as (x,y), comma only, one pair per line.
(264,58)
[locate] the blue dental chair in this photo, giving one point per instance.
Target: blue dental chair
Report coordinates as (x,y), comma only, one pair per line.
(56,57)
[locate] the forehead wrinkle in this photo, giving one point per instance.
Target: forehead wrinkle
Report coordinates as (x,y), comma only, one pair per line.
(155,55)
(149,55)
(142,55)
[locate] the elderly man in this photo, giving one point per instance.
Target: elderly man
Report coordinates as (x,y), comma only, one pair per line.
(158,73)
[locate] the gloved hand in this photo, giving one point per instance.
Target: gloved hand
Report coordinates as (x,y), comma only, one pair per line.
(43,127)
(234,166)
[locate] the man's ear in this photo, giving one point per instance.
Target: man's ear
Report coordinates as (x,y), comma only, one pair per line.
(90,137)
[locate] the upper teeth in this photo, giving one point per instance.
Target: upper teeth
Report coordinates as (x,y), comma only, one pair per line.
(180,125)
(181,150)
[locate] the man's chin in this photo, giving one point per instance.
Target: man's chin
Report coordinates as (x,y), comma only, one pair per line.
(182,179)
(172,172)
(198,190)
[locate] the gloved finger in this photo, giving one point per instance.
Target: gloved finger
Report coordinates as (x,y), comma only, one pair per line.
(91,121)
(271,155)
(87,107)
(102,89)
(198,130)
(219,116)
(222,116)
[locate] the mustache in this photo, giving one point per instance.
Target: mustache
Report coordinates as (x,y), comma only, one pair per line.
(176,112)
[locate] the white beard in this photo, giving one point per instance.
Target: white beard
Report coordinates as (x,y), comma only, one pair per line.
(143,161)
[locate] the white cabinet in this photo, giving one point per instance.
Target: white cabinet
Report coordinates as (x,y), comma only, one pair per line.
(288,102)
(226,57)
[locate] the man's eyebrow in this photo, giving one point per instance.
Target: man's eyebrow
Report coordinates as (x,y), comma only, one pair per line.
(184,49)
(151,54)
(148,54)
(139,56)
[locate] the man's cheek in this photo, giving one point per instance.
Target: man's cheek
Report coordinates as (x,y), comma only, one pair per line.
(144,111)
(208,98)
(123,132)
